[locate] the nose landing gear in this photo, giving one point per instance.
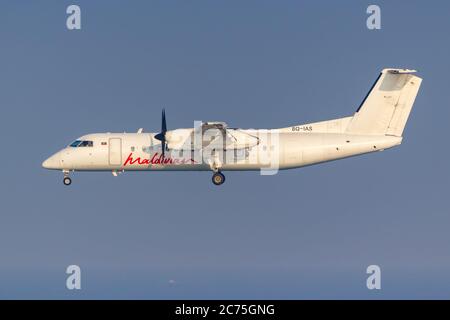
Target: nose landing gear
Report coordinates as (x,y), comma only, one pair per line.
(67,181)
(218,178)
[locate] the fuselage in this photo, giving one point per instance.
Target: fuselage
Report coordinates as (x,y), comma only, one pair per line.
(141,151)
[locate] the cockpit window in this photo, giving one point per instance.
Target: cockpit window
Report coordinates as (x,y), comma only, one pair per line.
(86,143)
(75,143)
(82,143)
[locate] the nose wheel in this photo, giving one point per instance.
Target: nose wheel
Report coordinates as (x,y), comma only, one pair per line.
(67,181)
(218,178)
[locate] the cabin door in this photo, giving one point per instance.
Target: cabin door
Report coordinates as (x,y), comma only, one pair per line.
(115,151)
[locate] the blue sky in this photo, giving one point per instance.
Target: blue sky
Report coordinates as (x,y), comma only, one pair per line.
(302,234)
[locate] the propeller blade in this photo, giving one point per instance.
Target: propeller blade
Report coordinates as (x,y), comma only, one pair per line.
(162,135)
(163,124)
(159,136)
(163,147)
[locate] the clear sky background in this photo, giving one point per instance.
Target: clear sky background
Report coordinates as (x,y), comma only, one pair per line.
(302,234)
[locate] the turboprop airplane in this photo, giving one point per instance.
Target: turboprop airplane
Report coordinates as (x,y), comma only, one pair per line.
(376,125)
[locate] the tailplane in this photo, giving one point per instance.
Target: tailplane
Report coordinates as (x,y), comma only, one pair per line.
(388,104)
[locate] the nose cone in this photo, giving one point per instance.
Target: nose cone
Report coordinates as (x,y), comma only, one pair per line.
(53,162)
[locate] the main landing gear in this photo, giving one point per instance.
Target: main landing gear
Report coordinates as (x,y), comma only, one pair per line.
(218,178)
(67,181)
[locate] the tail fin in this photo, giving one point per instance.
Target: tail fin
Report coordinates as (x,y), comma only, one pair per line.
(386,107)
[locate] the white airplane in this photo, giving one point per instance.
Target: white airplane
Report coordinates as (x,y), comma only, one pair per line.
(377,124)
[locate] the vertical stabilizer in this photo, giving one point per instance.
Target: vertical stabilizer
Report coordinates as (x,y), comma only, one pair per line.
(388,104)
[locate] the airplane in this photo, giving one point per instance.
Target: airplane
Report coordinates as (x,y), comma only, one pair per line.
(377,124)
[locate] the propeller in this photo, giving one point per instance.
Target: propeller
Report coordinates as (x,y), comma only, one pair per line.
(162,135)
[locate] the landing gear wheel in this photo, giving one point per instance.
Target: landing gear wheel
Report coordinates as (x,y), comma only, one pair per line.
(67,181)
(218,178)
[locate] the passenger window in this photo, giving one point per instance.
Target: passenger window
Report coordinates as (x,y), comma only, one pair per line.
(132,149)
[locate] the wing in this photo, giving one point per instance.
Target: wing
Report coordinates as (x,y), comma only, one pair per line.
(215,135)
